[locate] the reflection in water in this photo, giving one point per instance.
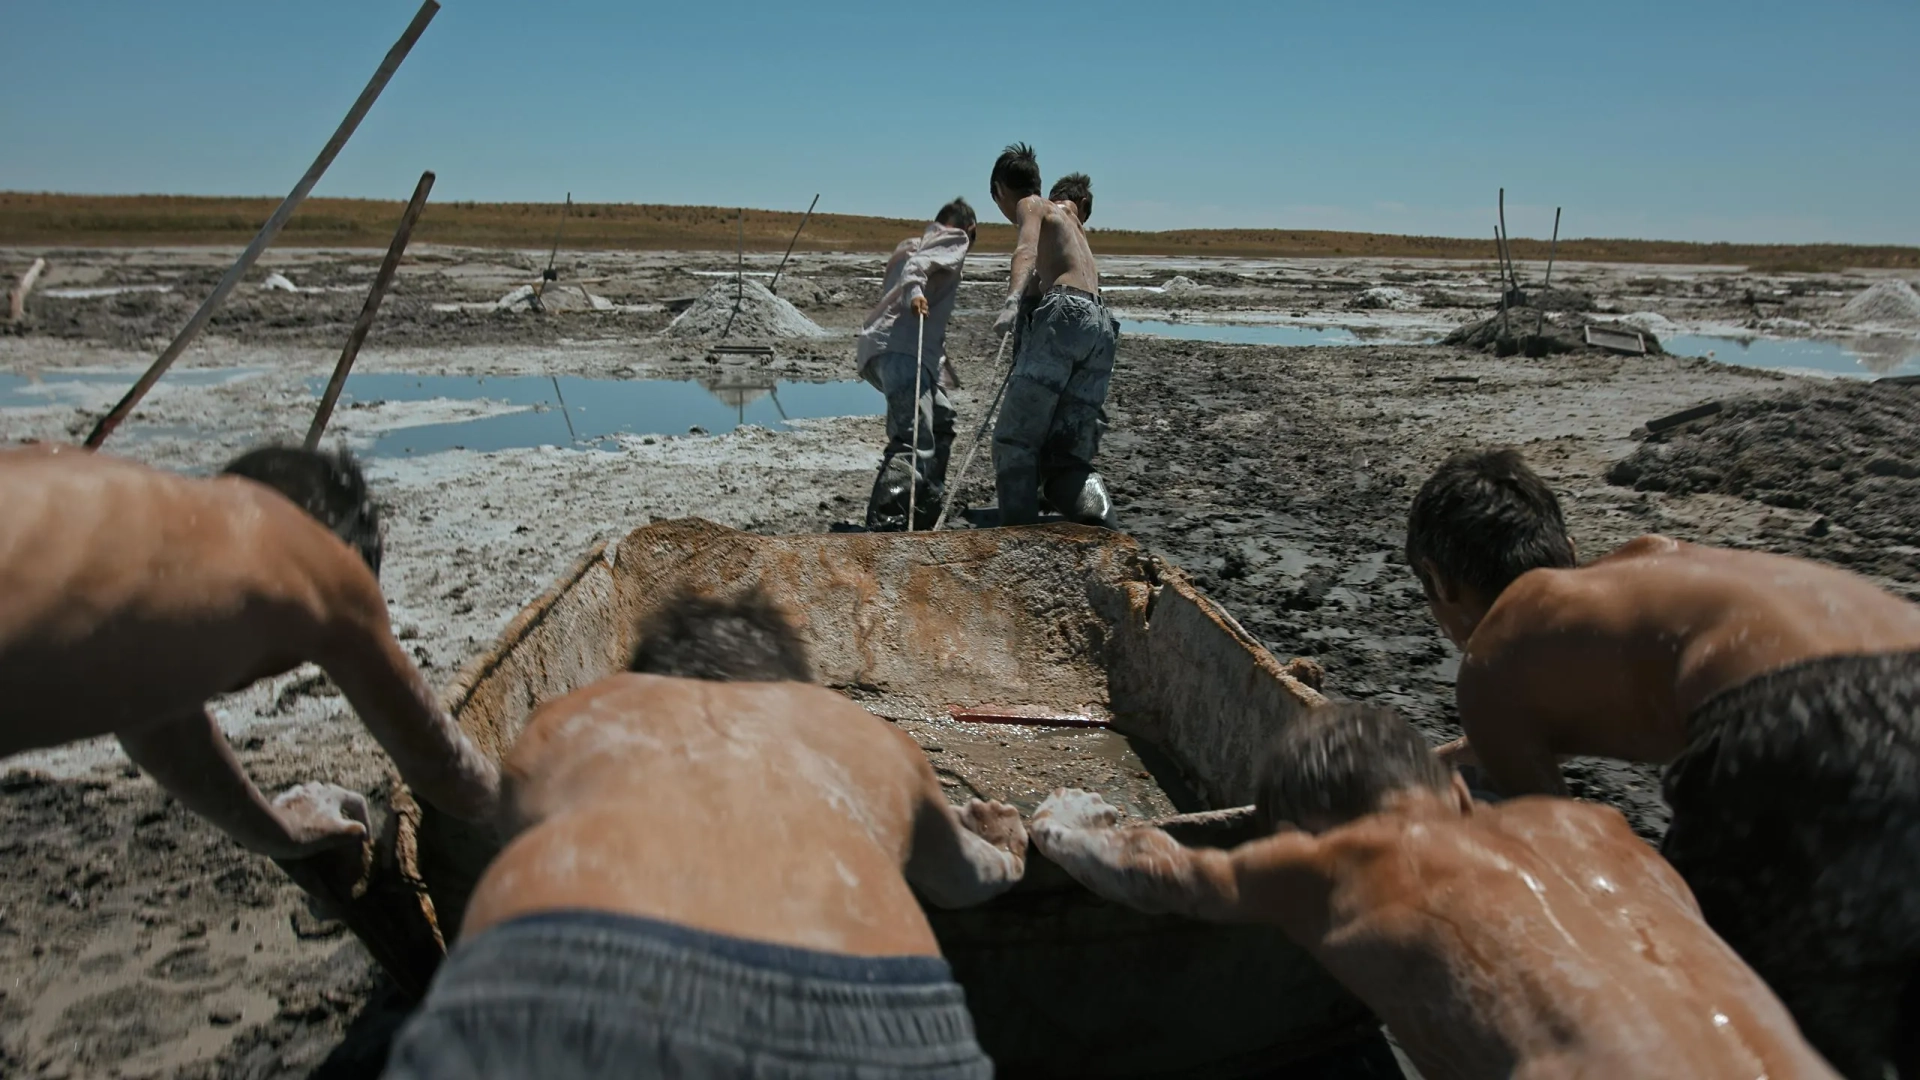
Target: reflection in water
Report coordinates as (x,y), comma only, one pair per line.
(1855,356)
(570,411)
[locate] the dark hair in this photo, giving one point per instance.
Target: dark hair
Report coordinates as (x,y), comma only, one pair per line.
(1017,170)
(957,214)
(744,639)
(1337,762)
(1483,519)
(330,487)
(1078,188)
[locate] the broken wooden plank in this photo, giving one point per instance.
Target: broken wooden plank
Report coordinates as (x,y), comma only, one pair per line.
(381,281)
(1621,341)
(1683,416)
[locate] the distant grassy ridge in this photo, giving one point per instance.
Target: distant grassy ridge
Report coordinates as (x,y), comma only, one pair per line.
(28,219)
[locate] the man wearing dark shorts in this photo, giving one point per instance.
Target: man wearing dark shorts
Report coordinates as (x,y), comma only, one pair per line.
(1055,408)
(709,877)
(1784,693)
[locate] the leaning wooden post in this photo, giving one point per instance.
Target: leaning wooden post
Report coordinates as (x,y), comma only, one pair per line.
(378,293)
(272,228)
(17,299)
(796,239)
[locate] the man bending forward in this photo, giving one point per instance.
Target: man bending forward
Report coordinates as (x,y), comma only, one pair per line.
(129,596)
(1785,694)
(1055,408)
(1536,938)
(711,879)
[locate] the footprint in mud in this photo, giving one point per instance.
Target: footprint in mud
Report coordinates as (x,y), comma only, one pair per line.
(192,963)
(111,1027)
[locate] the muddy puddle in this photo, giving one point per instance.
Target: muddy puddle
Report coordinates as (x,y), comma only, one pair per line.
(1858,357)
(1022,765)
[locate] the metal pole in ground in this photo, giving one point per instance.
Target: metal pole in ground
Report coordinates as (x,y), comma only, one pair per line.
(739,276)
(946,504)
(796,239)
(273,226)
(540,287)
(381,281)
(919,364)
(1540,316)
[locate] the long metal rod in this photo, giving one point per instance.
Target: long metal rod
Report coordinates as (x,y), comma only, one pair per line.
(1506,249)
(540,287)
(796,239)
(919,368)
(1540,316)
(953,489)
(1503,284)
(739,277)
(381,282)
(273,226)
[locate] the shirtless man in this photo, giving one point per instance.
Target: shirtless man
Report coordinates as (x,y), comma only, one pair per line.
(1054,411)
(1784,693)
(129,596)
(1536,938)
(710,878)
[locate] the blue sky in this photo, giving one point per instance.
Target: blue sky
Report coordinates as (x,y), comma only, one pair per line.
(1690,119)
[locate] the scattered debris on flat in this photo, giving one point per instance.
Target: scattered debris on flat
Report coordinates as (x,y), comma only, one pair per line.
(557,297)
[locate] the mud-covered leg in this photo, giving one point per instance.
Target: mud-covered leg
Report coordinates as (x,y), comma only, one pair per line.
(892,373)
(1040,372)
(1070,483)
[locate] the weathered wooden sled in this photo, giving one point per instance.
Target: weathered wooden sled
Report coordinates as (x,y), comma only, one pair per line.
(1055,621)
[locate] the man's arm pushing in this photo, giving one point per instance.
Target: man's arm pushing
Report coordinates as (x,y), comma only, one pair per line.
(190,759)
(1142,868)
(400,710)
(967,856)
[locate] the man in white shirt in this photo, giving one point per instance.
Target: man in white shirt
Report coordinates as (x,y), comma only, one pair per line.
(916,299)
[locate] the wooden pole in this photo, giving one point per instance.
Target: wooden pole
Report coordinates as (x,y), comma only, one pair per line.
(1540,316)
(953,489)
(739,277)
(381,282)
(273,226)
(17,299)
(796,239)
(540,287)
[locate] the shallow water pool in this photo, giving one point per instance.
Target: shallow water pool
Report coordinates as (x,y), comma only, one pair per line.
(1861,357)
(571,411)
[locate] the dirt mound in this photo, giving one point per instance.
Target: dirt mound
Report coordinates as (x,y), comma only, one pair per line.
(1847,450)
(762,316)
(555,297)
(1180,284)
(1515,332)
(1890,303)
(1384,298)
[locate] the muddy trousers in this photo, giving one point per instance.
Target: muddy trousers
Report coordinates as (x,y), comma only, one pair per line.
(891,373)
(1055,411)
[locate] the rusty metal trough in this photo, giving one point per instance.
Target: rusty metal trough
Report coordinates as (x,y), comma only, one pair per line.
(1052,620)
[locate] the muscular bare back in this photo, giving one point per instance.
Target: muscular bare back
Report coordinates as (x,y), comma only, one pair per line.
(1537,938)
(129,596)
(1611,658)
(774,811)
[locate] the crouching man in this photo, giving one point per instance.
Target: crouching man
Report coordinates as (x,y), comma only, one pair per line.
(711,877)
(1536,938)
(1783,694)
(909,324)
(129,596)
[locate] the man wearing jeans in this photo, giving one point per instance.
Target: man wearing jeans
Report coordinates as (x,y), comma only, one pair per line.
(1055,408)
(916,299)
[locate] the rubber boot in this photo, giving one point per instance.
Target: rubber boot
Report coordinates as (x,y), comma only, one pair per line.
(1080,496)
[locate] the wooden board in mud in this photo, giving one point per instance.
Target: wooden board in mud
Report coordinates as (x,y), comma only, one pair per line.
(1049,621)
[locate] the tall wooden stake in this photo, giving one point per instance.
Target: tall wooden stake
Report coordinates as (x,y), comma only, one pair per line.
(796,239)
(273,226)
(381,282)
